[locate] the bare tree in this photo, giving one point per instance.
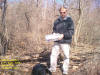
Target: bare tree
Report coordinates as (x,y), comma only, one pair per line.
(37,3)
(78,27)
(4,40)
(1,3)
(54,7)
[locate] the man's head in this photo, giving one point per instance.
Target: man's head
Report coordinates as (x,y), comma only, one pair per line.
(63,12)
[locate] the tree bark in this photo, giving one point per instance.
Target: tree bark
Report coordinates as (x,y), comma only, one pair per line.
(78,27)
(4,39)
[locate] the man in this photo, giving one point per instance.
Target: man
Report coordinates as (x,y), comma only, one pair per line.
(63,25)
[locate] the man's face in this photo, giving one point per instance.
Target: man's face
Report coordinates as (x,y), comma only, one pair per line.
(63,13)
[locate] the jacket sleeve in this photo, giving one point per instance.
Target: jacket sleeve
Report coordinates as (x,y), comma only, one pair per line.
(70,30)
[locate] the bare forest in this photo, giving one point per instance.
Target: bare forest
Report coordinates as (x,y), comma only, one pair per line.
(24,24)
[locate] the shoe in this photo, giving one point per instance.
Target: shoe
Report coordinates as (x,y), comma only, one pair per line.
(65,73)
(51,70)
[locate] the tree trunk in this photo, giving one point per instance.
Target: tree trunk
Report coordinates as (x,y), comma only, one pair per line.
(4,38)
(78,27)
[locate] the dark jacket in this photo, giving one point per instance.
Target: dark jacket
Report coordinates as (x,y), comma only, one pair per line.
(65,27)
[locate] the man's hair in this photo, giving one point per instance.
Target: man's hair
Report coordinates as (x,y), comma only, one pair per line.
(62,8)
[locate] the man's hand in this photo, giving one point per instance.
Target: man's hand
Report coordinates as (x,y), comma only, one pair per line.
(61,37)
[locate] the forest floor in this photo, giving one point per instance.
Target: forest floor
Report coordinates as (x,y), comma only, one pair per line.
(79,56)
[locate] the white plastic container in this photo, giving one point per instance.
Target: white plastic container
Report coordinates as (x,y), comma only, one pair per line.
(53,37)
